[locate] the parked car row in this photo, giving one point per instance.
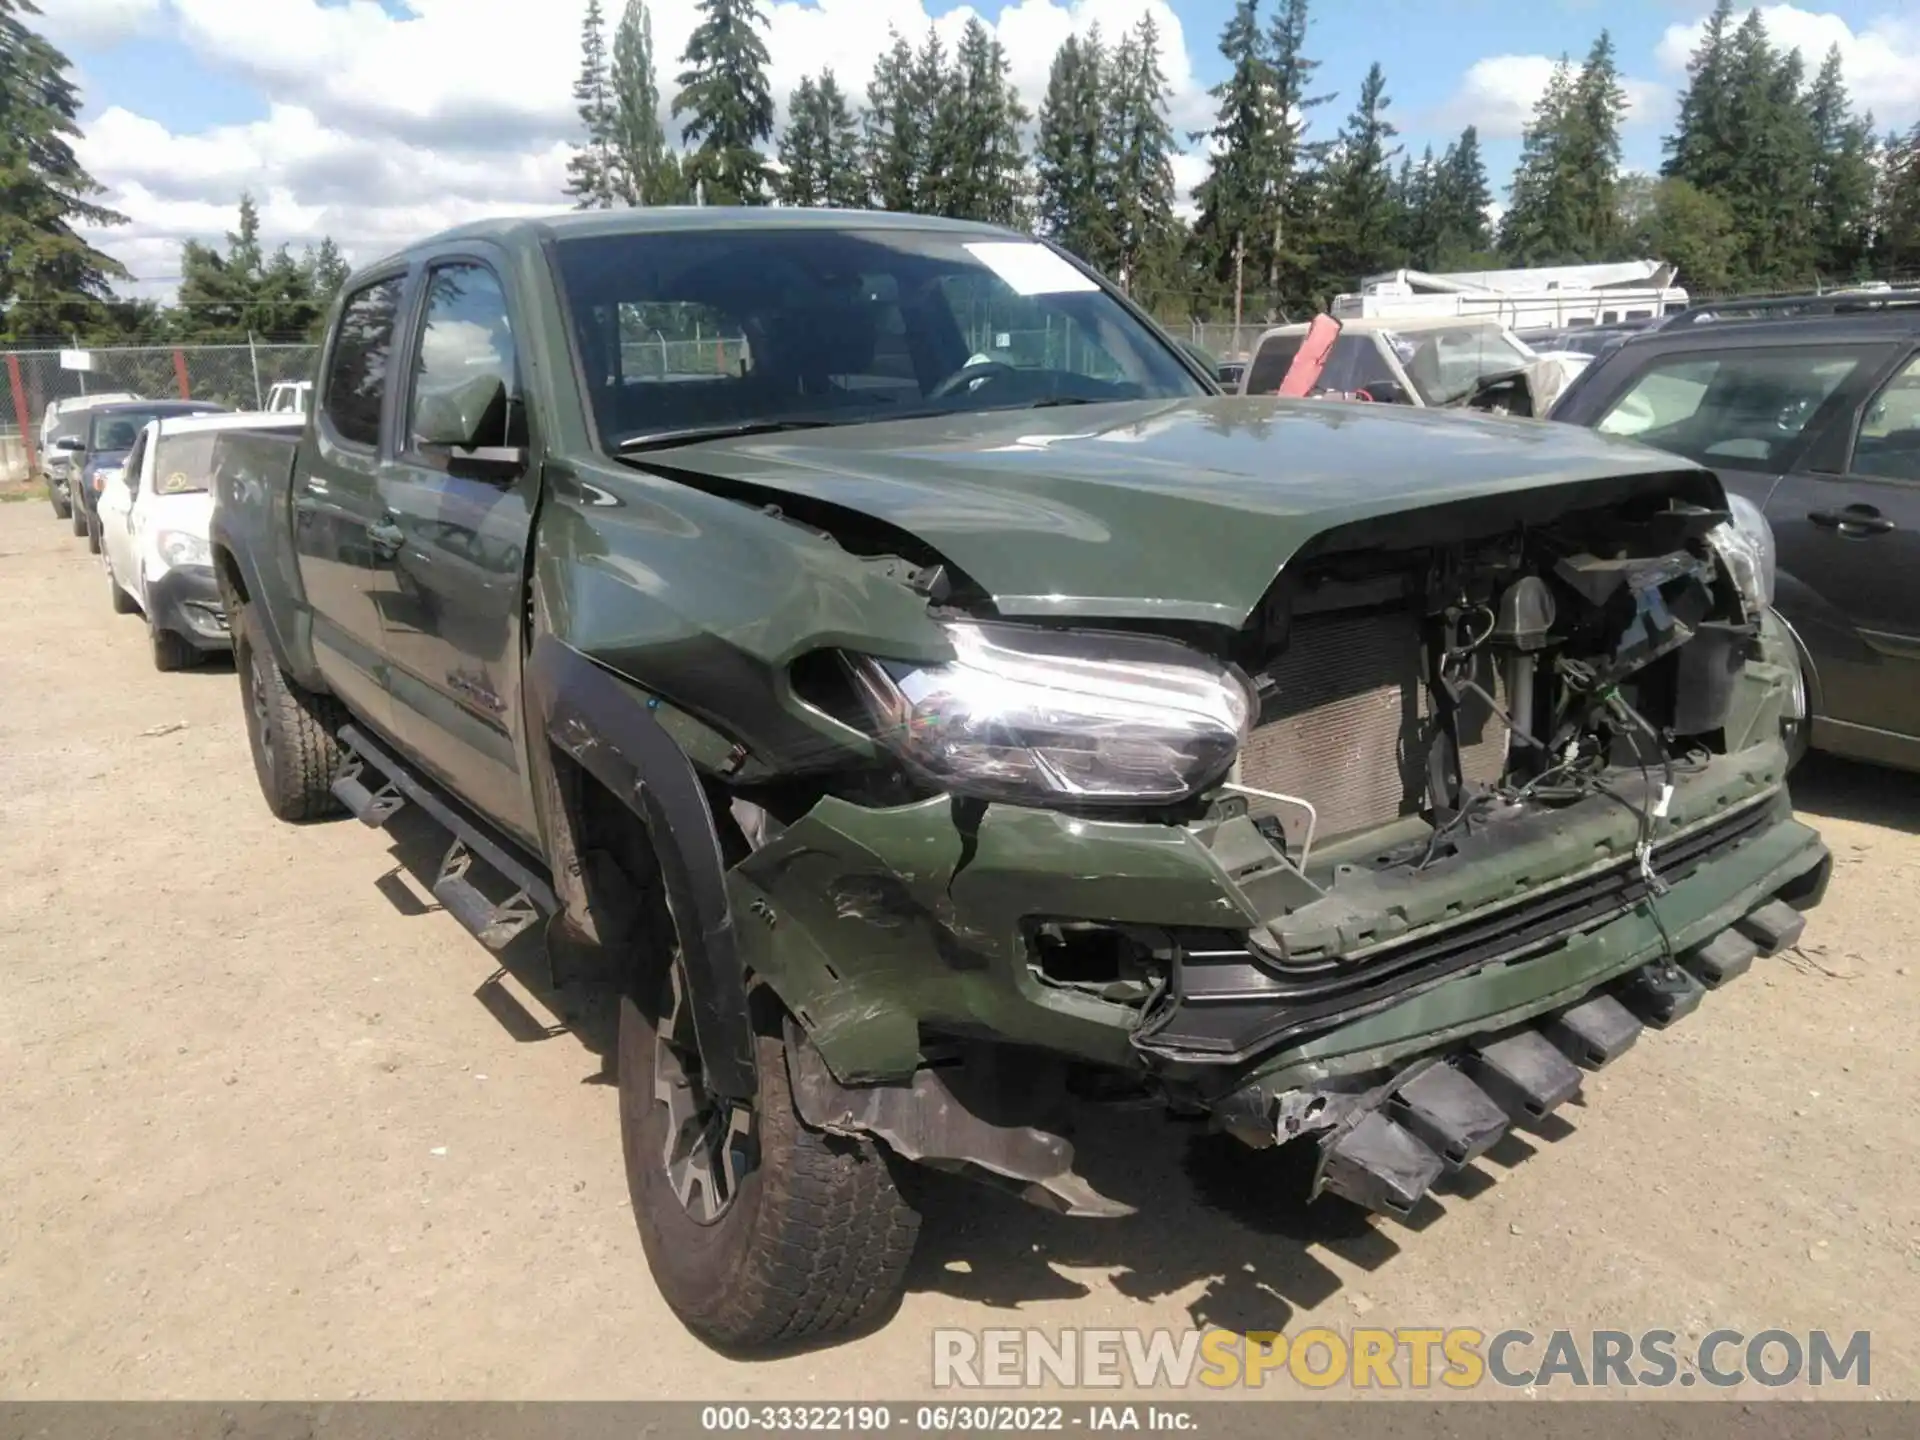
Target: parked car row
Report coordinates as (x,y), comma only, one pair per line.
(136,480)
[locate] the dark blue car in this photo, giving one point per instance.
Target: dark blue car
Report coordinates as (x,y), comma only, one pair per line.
(111,431)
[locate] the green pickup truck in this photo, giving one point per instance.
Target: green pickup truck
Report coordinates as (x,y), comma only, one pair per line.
(893,664)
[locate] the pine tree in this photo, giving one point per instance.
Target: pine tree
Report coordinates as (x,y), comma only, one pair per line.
(1140,145)
(1843,176)
(934,92)
(729,109)
(1294,274)
(1565,199)
(1074,202)
(1534,230)
(590,169)
(895,131)
(1416,211)
(645,169)
(820,151)
(52,281)
(1769,184)
(985,163)
(1898,244)
(328,268)
(1462,236)
(1237,200)
(1704,145)
(1359,222)
(1590,153)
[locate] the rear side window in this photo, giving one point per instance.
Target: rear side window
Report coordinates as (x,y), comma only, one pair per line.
(357,372)
(1738,408)
(183,464)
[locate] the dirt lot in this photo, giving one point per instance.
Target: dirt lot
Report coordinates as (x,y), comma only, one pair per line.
(272,1129)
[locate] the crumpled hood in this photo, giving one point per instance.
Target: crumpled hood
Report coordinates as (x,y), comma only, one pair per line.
(1178,510)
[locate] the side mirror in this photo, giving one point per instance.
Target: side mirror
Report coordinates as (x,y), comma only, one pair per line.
(72,444)
(468,425)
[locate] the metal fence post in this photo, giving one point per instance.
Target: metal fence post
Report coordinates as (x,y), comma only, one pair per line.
(180,374)
(253,354)
(27,437)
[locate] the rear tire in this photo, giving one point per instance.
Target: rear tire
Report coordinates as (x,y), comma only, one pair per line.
(170,651)
(811,1239)
(290,730)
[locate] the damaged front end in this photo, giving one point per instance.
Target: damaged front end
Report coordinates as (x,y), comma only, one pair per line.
(1475,792)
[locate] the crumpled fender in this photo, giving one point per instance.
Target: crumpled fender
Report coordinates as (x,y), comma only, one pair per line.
(591,717)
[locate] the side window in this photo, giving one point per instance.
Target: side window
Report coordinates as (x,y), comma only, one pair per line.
(466,388)
(1738,408)
(1889,442)
(357,374)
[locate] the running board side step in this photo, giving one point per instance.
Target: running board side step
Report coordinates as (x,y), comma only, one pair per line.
(494,925)
(372,808)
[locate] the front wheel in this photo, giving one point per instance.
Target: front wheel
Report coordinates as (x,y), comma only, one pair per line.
(93,537)
(78,515)
(62,510)
(170,651)
(759,1232)
(117,596)
(291,731)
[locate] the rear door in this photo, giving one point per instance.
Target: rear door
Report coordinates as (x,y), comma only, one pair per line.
(344,550)
(1848,527)
(455,611)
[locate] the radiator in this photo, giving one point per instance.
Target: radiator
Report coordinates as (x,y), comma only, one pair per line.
(1348,727)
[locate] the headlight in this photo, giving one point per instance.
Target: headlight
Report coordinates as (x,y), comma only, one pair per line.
(1048,715)
(176,547)
(1745,546)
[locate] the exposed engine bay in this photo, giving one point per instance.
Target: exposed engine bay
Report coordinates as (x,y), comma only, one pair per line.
(1521,669)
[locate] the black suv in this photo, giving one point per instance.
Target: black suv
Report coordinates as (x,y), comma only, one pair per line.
(1815,418)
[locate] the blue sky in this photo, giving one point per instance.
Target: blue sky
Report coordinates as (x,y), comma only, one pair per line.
(378,120)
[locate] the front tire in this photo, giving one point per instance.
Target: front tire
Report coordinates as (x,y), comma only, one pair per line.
(780,1234)
(78,516)
(93,537)
(290,730)
(117,596)
(170,651)
(62,510)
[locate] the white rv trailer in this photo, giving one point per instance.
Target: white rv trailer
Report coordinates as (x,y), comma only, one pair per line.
(1550,297)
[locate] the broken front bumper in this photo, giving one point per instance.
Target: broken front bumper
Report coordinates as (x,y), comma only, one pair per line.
(882,927)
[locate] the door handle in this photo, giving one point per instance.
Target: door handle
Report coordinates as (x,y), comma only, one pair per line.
(1855,520)
(386,537)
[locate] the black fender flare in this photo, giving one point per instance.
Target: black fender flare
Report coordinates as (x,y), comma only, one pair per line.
(587,715)
(255,589)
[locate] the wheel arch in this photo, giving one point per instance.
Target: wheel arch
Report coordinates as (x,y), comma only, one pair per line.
(586,724)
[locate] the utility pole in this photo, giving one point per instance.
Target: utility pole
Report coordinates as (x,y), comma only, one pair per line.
(1239,283)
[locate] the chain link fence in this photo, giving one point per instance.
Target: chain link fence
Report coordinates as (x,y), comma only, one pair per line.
(237,376)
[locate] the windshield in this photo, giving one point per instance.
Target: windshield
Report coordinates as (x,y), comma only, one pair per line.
(118,430)
(718,330)
(183,465)
(1448,365)
(1739,409)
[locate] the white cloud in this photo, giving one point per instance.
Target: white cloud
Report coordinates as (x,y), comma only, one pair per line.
(386,127)
(1881,62)
(1498,95)
(97,22)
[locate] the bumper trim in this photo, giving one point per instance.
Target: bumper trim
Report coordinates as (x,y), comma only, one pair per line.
(1225,1011)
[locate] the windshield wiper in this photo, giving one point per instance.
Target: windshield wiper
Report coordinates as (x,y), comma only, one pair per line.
(693,434)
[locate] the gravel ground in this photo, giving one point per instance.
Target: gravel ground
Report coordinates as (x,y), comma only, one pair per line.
(276,1128)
